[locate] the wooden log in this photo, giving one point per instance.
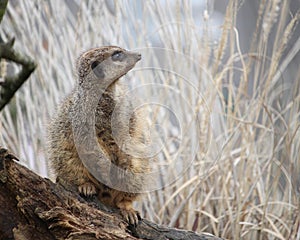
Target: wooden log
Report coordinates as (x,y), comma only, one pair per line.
(33,207)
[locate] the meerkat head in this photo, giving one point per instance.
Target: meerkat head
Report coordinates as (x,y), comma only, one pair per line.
(105,64)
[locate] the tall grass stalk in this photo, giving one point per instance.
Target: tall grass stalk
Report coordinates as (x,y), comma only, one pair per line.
(243,181)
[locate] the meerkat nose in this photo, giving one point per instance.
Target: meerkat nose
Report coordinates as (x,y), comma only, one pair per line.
(135,55)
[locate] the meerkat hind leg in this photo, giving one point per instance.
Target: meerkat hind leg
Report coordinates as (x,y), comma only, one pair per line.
(128,213)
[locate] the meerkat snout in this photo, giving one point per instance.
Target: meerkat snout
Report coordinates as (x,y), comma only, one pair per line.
(137,56)
(114,65)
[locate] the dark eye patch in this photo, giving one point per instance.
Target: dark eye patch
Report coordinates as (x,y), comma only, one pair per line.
(97,69)
(118,56)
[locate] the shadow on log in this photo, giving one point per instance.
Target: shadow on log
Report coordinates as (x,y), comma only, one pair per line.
(33,207)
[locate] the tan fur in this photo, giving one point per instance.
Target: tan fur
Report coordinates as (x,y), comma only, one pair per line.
(62,152)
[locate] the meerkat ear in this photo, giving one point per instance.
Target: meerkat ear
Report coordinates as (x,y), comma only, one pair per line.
(97,69)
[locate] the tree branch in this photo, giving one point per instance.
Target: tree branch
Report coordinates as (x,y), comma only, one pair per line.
(12,83)
(35,208)
(3,4)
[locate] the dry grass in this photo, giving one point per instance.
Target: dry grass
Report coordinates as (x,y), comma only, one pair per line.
(229,118)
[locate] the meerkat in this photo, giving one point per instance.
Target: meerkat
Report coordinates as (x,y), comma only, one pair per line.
(98,71)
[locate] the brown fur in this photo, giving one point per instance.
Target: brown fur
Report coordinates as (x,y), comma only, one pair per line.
(62,152)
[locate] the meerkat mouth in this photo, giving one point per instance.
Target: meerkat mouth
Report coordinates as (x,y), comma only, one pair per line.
(127,70)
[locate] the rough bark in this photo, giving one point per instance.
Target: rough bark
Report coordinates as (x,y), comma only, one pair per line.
(33,207)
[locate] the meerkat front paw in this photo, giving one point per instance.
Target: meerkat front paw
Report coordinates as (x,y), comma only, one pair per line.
(87,189)
(131,216)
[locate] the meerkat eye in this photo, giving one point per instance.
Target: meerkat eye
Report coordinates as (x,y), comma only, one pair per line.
(97,69)
(118,56)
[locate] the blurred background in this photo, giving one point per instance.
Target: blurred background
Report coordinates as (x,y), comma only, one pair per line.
(223,101)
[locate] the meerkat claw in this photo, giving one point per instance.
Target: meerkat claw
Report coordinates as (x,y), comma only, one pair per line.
(131,216)
(87,189)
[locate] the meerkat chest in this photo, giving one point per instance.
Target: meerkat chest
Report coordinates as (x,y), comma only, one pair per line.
(103,118)
(114,123)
